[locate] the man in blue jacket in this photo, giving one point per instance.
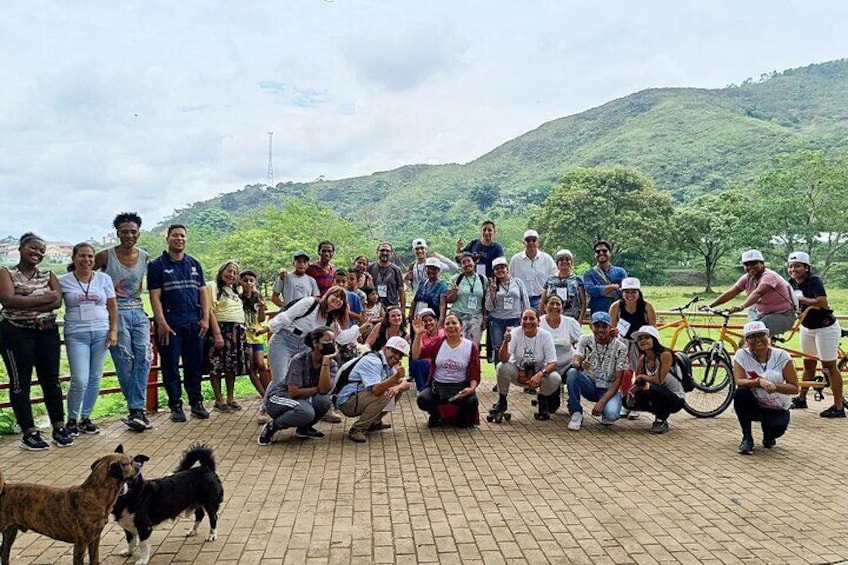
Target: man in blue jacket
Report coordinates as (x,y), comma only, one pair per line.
(603,281)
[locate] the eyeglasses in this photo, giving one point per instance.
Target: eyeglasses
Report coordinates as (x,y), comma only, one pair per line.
(531,239)
(566,259)
(601,251)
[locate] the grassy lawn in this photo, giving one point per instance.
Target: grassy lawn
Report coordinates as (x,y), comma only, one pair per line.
(663,299)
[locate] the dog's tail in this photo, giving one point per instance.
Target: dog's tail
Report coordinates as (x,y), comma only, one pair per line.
(198,452)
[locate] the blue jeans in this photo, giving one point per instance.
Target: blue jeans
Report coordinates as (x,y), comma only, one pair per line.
(282,346)
(86,355)
(579,384)
(132,356)
(497,329)
(184,343)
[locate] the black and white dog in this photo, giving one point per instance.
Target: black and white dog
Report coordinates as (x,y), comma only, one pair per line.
(189,488)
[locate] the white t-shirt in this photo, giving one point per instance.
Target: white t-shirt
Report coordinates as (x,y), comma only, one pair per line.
(564,336)
(85,304)
(538,349)
(771,370)
(451,363)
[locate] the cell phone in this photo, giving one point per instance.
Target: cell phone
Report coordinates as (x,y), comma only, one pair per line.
(328,348)
(455,397)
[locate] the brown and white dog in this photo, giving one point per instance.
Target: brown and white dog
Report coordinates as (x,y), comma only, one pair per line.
(75,514)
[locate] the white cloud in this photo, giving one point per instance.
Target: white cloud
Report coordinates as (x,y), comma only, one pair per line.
(148,107)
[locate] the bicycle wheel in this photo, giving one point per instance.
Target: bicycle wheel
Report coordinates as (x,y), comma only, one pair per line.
(714,385)
(698,344)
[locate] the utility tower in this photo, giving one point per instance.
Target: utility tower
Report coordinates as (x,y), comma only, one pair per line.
(270,177)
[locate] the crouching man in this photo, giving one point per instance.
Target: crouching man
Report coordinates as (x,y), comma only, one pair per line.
(303,396)
(528,358)
(375,380)
(596,373)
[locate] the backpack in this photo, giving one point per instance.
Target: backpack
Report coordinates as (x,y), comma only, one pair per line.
(345,370)
(479,276)
(683,364)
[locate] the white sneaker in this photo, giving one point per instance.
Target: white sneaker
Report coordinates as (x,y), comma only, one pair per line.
(624,412)
(606,422)
(575,422)
(633,415)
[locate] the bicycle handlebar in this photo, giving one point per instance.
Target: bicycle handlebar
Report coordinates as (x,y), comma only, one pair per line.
(723,313)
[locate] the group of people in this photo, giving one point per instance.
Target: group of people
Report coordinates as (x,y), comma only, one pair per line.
(339,338)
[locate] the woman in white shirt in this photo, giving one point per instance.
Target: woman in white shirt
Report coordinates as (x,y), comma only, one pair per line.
(765,380)
(91,326)
(289,328)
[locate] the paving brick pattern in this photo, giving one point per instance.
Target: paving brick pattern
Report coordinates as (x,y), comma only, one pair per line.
(520,492)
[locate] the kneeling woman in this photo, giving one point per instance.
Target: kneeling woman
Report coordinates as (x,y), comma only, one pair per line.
(765,379)
(303,397)
(657,389)
(454,373)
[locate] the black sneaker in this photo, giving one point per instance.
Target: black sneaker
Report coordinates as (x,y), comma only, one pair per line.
(434,421)
(798,403)
(833,412)
(61,438)
(747,446)
(148,425)
(659,427)
(769,442)
(266,436)
(136,420)
(177,414)
(33,442)
(86,426)
(308,433)
(198,411)
(72,428)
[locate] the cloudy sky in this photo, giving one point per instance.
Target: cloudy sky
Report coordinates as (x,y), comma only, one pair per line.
(148,106)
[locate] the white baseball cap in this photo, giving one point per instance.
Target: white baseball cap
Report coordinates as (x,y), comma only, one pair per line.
(531,233)
(754,328)
(398,344)
(752,255)
(433,262)
(646,330)
(799,257)
(500,261)
(419,243)
(564,253)
(426,312)
(631,283)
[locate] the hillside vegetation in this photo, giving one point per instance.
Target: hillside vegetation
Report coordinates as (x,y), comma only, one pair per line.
(688,141)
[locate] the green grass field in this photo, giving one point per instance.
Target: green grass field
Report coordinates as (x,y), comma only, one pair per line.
(663,299)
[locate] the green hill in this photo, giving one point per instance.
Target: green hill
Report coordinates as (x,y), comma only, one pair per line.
(690,141)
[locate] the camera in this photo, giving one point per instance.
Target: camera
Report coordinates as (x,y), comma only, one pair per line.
(328,348)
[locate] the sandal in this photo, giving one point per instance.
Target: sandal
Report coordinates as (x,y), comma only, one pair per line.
(222,407)
(234,406)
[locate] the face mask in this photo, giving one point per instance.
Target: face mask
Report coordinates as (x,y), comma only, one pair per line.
(328,349)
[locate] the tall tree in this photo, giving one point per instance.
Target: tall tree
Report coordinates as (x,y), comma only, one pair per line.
(711,226)
(619,204)
(801,205)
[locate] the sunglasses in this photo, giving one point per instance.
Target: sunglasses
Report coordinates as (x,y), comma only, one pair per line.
(531,239)
(601,251)
(566,259)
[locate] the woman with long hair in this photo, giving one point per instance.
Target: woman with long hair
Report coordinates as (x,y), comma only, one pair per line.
(288,329)
(227,352)
(29,338)
(391,325)
(506,300)
(657,388)
(91,326)
(820,332)
(454,373)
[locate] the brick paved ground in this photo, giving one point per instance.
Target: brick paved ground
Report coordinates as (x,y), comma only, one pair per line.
(525,492)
